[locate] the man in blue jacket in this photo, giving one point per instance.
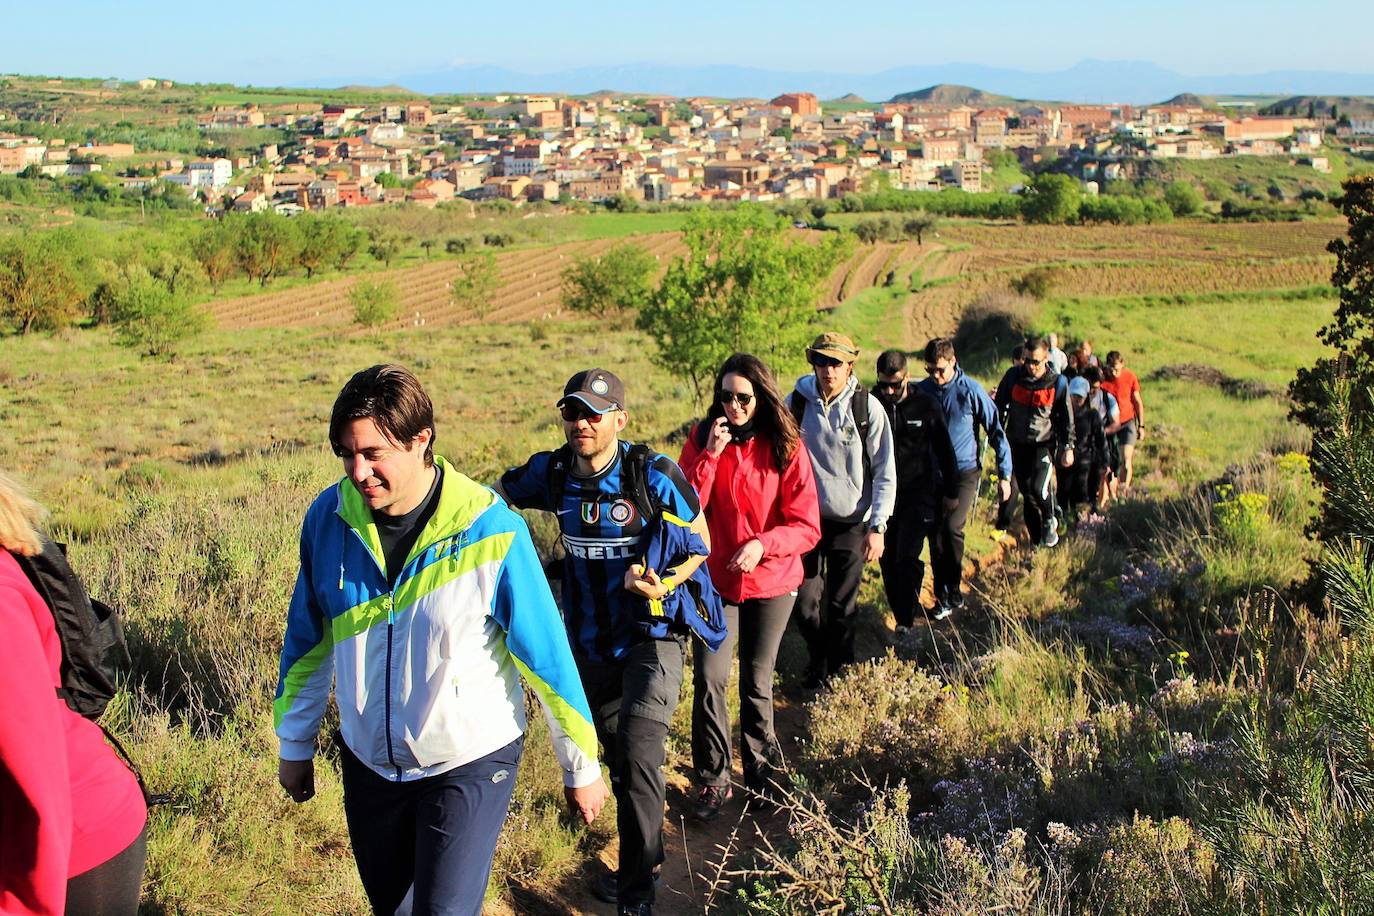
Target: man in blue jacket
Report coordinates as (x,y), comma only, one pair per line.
(968,410)
(421,601)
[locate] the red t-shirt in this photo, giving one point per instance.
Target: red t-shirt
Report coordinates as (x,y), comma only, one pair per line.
(1122,387)
(69,803)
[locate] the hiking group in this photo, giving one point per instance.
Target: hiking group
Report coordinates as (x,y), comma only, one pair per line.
(422,604)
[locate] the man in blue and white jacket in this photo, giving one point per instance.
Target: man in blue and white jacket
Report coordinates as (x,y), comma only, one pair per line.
(969,413)
(848,438)
(421,600)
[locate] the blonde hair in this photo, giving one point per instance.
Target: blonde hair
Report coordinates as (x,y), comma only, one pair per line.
(19,518)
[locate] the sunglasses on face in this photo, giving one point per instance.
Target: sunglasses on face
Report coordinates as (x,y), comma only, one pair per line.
(572,414)
(891,386)
(825,362)
(726,397)
(1035,363)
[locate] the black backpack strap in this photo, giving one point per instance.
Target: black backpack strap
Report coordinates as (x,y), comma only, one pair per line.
(634,481)
(859,406)
(150,799)
(797,404)
(560,463)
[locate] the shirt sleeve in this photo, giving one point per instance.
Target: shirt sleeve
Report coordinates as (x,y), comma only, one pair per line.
(35,846)
(883,463)
(527,486)
(986,413)
(671,489)
(943,447)
(538,644)
(698,466)
(800,529)
(307,666)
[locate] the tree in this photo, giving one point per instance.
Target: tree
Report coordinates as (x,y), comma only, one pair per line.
(1351,331)
(746,284)
(38,290)
(347,243)
(385,244)
(374,303)
(265,246)
(177,272)
(387,180)
(619,280)
(215,248)
(148,315)
(1051,198)
(320,240)
(918,226)
(428,245)
(474,283)
(1183,199)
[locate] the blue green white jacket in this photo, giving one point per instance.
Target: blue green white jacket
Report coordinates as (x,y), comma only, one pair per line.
(425,673)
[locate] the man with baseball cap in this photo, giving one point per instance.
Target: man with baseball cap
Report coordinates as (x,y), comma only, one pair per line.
(604,493)
(850,443)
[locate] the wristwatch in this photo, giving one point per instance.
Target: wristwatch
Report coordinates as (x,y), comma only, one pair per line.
(878,529)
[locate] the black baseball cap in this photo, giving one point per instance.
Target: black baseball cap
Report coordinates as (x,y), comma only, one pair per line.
(599,389)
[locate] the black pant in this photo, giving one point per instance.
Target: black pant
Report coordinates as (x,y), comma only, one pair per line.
(1077,486)
(913,522)
(827,602)
(947,549)
(758,624)
(425,846)
(112,887)
(632,703)
(1034,466)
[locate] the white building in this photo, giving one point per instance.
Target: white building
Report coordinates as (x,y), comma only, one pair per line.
(209,173)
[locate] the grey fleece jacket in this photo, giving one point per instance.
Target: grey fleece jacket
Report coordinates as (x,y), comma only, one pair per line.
(832,440)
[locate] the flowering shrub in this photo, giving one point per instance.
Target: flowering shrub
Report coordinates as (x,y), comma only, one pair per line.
(1241,519)
(1126,869)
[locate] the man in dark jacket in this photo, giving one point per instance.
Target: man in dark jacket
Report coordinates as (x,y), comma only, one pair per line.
(1034,401)
(1078,483)
(927,484)
(969,415)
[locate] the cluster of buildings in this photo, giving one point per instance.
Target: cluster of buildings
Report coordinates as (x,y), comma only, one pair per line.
(532,148)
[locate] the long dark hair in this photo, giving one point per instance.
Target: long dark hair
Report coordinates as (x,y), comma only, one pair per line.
(772,418)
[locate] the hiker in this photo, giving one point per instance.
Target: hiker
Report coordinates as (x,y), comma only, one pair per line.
(850,443)
(927,486)
(1086,356)
(605,492)
(1123,384)
(757,490)
(1077,482)
(1104,402)
(420,596)
(969,415)
(1039,425)
(75,821)
(1058,358)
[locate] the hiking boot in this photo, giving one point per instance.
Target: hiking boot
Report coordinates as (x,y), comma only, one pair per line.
(710,799)
(901,631)
(955,599)
(1051,536)
(942,609)
(606,887)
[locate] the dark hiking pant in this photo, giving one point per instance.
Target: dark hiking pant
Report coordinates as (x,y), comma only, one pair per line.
(1033,463)
(827,602)
(947,550)
(112,887)
(912,524)
(757,626)
(632,702)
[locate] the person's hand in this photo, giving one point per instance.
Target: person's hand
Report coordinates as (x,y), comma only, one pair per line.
(1066,458)
(747,557)
(873,546)
(718,436)
(1004,489)
(586,803)
(297,777)
(644,582)
(1139,431)
(950,504)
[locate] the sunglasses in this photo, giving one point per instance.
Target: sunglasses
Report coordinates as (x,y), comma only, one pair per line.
(744,400)
(891,386)
(1034,363)
(825,362)
(932,369)
(573,414)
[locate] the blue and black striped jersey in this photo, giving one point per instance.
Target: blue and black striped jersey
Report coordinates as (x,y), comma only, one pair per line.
(600,527)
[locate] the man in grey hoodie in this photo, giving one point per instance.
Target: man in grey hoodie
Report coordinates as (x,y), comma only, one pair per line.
(847,435)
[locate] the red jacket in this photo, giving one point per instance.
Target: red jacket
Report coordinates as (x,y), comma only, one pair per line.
(745,497)
(69,803)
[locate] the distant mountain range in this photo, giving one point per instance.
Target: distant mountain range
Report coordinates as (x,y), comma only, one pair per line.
(1088,81)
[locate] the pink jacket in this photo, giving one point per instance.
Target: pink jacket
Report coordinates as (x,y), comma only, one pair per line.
(745,497)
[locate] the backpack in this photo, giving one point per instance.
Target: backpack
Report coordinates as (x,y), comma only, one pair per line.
(93,646)
(858,404)
(634,474)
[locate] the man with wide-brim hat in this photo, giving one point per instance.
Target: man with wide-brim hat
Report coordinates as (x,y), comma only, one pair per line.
(850,443)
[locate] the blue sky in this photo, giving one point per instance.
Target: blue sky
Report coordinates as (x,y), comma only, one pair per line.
(321,44)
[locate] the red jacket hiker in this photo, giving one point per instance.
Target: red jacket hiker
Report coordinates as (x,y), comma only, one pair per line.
(745,497)
(67,802)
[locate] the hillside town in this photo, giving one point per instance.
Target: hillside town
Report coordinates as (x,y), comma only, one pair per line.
(607,148)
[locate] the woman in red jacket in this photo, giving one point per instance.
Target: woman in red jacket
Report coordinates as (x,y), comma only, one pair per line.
(748,464)
(72,817)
